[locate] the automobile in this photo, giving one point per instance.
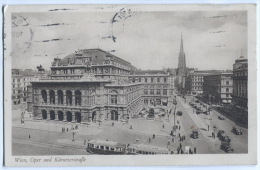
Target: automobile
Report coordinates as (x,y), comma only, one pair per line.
(223,137)
(195,107)
(221,117)
(221,133)
(237,131)
(209,108)
(225,146)
(195,134)
(179,113)
(196,101)
(208,103)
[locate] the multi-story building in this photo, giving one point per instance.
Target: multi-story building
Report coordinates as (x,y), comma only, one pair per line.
(240,89)
(88,85)
(28,76)
(218,87)
(240,76)
(156,85)
(195,80)
(17,86)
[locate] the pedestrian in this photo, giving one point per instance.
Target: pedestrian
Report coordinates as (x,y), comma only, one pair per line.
(137,140)
(153,136)
(184,137)
(179,135)
(85,141)
(163,126)
(172,139)
(149,140)
(190,151)
(212,134)
(180,145)
(29,136)
(195,150)
(179,127)
(178,150)
(67,129)
(181,151)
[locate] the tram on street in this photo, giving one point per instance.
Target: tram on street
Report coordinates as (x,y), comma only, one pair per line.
(105,147)
(144,149)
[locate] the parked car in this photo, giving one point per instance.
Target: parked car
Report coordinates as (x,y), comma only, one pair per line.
(237,131)
(179,113)
(221,117)
(196,101)
(195,107)
(225,146)
(209,108)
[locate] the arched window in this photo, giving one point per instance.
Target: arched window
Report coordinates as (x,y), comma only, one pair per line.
(68,97)
(152,91)
(113,97)
(44,114)
(60,97)
(44,96)
(77,98)
(52,97)
(69,116)
(78,117)
(158,91)
(60,115)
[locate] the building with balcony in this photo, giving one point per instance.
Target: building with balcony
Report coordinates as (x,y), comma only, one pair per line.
(87,86)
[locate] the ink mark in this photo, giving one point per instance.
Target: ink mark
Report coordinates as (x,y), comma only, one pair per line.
(62,9)
(19,21)
(221,46)
(214,17)
(217,32)
(55,24)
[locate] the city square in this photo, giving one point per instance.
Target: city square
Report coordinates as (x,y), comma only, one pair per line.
(180,98)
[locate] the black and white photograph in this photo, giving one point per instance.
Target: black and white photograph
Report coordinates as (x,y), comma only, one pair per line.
(108,81)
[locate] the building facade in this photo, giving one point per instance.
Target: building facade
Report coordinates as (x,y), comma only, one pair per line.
(156,86)
(17,87)
(240,79)
(218,87)
(87,86)
(195,81)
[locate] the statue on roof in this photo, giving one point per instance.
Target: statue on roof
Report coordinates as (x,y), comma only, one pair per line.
(40,68)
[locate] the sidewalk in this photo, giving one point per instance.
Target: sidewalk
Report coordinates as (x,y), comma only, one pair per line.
(201,124)
(56,126)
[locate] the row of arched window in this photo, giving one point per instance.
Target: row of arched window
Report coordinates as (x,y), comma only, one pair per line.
(60,100)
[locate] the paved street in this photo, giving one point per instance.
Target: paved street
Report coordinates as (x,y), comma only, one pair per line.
(46,138)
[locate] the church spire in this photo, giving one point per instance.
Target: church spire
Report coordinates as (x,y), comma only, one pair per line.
(182,59)
(181,48)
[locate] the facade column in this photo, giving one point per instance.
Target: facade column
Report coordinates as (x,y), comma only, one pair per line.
(56,115)
(64,117)
(73,117)
(56,97)
(73,97)
(64,97)
(48,97)
(48,115)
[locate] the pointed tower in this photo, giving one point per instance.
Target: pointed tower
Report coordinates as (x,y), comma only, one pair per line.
(182,60)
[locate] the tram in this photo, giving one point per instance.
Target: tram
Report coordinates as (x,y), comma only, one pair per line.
(105,147)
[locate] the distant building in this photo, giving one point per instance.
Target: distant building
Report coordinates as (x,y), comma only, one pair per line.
(195,80)
(156,85)
(17,86)
(173,76)
(240,79)
(218,87)
(240,89)
(20,81)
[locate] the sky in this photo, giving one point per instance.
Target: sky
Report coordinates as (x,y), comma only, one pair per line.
(148,40)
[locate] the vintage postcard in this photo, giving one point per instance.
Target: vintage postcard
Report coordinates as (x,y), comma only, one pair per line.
(133,85)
